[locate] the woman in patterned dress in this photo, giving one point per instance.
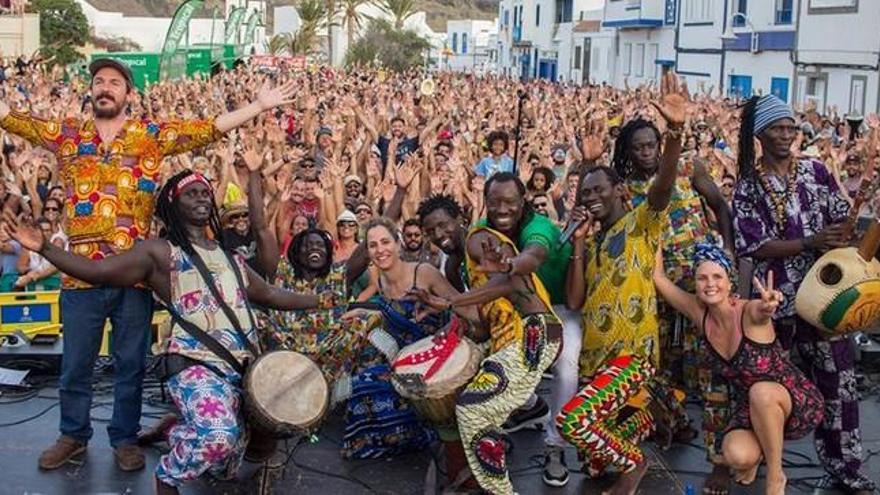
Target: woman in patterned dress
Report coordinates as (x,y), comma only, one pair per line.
(774,400)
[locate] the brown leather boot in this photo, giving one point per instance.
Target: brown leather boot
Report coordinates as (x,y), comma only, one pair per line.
(159,431)
(64,449)
(129,457)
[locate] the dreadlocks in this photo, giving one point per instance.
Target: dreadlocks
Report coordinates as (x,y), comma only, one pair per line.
(622,159)
(297,245)
(745,160)
(172,228)
(443,202)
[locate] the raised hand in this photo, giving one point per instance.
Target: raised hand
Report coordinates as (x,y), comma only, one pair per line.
(269,98)
(593,140)
(673,100)
(252,158)
(770,297)
(388,187)
(493,260)
(28,237)
(407,172)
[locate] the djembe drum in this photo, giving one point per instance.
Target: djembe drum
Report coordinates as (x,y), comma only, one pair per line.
(431,371)
(286,394)
(841,292)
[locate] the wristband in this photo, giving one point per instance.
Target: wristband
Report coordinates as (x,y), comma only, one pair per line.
(674,132)
(509,266)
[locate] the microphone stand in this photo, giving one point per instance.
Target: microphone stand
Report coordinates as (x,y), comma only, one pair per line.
(522,95)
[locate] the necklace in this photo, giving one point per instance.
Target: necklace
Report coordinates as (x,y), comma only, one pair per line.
(779,200)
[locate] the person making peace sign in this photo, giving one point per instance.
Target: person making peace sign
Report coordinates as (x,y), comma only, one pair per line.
(774,399)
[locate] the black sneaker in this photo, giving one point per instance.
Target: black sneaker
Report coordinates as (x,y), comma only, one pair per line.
(532,419)
(555,471)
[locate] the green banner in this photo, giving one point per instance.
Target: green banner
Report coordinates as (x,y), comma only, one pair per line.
(176,31)
(251,27)
(236,16)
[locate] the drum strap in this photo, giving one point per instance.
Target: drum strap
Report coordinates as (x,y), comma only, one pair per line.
(202,336)
(209,281)
(206,340)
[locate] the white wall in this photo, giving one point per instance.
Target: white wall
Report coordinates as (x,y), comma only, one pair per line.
(642,44)
(602,58)
(762,67)
(692,65)
(149,32)
(859,49)
(481,39)
(19,35)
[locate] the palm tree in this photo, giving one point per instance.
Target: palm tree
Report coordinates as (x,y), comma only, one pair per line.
(351,18)
(312,17)
(400,10)
(332,9)
(278,44)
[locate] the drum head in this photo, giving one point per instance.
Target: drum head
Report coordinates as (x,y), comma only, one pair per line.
(289,388)
(457,370)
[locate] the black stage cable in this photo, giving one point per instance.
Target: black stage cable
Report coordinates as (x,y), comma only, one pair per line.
(292,458)
(31,418)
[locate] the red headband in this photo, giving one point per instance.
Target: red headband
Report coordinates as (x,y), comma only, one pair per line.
(188,181)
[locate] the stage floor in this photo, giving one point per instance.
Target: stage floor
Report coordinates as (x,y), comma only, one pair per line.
(317,467)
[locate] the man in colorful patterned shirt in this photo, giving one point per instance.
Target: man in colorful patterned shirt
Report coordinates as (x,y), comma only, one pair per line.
(610,281)
(787,212)
(110,167)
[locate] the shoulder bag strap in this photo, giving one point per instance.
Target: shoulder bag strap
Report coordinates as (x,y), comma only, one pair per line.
(230,315)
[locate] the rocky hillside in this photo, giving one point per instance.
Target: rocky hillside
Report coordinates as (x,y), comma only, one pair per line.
(439,11)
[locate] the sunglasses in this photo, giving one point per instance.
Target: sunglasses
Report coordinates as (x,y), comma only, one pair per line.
(539,205)
(50,208)
(307,165)
(239,216)
(365,211)
(352,225)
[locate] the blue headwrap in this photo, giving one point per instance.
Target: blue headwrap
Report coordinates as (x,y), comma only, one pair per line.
(704,251)
(768,110)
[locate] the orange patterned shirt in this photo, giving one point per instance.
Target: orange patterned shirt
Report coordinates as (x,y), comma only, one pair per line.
(110,187)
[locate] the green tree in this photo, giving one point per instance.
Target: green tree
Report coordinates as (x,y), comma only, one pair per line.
(351,18)
(312,18)
(278,44)
(63,27)
(399,10)
(396,49)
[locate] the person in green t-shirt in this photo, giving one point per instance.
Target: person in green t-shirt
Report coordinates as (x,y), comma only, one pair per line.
(541,252)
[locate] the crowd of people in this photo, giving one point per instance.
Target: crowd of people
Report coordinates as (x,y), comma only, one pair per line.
(642,244)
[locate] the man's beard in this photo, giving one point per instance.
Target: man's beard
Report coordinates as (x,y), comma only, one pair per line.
(108,113)
(412,249)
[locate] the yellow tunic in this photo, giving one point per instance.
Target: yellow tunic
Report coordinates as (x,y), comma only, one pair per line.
(505,322)
(620,308)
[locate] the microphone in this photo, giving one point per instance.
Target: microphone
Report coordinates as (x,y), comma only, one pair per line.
(570,230)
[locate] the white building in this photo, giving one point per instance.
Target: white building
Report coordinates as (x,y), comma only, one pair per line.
(593,53)
(645,38)
(19,35)
(471,46)
(837,67)
(149,32)
(700,51)
(759,59)
(535,37)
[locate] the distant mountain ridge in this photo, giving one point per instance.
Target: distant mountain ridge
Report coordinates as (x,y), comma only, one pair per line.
(438,11)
